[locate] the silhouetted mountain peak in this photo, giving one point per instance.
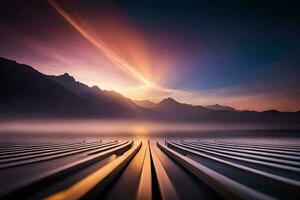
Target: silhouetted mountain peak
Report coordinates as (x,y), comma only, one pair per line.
(105,99)
(169,101)
(66,77)
(69,82)
(95,88)
(272,111)
(173,109)
(220,107)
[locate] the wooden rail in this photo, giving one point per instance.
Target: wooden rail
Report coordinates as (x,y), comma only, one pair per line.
(166,188)
(226,187)
(97,181)
(145,185)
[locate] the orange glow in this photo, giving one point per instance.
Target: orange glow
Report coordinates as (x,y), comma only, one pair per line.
(139,129)
(123,46)
(126,51)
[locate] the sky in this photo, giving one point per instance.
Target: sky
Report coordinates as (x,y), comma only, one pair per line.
(243,54)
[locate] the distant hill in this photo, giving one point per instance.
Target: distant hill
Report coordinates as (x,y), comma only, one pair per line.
(220,107)
(174,110)
(170,109)
(253,117)
(145,103)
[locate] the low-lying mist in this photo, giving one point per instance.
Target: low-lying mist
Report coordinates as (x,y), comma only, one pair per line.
(116,127)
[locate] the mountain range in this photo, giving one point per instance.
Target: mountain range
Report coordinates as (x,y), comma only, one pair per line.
(220,107)
(27,93)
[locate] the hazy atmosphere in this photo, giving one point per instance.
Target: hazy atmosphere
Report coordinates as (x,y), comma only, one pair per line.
(149,100)
(240,54)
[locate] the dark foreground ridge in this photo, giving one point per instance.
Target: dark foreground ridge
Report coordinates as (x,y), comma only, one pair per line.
(27,93)
(149,169)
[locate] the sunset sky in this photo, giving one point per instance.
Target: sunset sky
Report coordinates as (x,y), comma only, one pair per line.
(245,54)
